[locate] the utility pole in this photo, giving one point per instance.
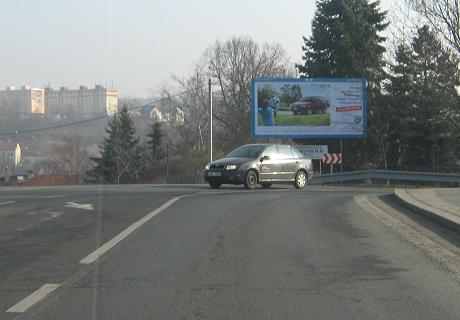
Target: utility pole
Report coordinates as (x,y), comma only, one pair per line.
(167,162)
(210,119)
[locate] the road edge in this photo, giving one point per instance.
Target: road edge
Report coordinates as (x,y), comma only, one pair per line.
(438,253)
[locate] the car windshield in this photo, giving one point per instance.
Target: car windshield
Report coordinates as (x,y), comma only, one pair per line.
(246,152)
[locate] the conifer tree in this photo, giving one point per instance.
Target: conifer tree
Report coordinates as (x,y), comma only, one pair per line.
(155,141)
(346,42)
(121,155)
(426,103)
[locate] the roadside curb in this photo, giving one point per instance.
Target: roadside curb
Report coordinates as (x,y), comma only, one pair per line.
(444,217)
(414,233)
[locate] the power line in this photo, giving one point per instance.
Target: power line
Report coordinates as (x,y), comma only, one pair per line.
(104,116)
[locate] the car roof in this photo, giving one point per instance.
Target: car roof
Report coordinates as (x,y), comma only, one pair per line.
(265,144)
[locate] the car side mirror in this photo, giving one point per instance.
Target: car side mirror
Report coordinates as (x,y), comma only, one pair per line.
(264,158)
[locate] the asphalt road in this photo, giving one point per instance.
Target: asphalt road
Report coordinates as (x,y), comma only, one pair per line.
(215,254)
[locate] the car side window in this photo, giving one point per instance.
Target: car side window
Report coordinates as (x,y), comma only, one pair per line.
(284,152)
(271,152)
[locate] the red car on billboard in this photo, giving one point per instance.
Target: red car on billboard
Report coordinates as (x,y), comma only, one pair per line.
(310,105)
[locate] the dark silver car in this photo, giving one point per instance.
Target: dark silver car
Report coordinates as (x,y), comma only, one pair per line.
(260,163)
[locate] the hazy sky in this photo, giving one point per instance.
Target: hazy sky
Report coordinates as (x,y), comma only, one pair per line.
(137,44)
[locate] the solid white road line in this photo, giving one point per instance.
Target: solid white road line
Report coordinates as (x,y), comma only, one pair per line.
(33,298)
(122,235)
(7,202)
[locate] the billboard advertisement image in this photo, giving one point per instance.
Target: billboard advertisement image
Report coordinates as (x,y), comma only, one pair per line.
(309,108)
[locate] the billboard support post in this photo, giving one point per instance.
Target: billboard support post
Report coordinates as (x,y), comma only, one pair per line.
(341,152)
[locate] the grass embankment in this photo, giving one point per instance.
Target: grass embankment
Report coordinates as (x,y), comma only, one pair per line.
(323,119)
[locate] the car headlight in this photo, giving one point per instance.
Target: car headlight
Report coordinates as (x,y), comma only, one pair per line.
(231,167)
(207,166)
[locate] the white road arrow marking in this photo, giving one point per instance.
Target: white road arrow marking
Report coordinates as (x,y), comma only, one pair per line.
(84,206)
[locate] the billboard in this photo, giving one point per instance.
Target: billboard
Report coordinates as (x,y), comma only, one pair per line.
(308,108)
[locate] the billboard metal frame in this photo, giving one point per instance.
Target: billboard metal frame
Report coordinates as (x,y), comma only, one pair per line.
(307,136)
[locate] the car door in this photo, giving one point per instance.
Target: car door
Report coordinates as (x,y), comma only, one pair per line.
(288,163)
(270,169)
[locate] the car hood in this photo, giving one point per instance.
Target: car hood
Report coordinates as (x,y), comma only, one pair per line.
(232,161)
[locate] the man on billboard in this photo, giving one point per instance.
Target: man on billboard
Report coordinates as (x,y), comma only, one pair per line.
(268,111)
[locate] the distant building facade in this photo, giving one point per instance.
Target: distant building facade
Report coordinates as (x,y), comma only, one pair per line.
(175,115)
(81,101)
(10,158)
(26,100)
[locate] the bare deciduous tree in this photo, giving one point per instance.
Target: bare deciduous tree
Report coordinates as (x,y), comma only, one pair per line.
(194,106)
(443,16)
(71,155)
(232,65)
(185,116)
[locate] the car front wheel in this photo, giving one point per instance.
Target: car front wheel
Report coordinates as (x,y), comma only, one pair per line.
(300,180)
(250,180)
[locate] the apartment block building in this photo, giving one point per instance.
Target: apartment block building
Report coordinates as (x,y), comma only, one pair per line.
(26,100)
(81,101)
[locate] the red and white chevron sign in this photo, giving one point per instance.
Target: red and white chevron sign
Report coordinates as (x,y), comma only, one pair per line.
(332,158)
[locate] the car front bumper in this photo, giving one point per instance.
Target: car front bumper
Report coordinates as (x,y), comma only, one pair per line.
(223,176)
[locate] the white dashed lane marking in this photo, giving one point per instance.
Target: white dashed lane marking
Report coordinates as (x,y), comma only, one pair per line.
(51,215)
(7,202)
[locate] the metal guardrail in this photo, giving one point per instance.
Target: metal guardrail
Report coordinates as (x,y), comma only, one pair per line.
(387,175)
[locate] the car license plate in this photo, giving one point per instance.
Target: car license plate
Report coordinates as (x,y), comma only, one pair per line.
(214,173)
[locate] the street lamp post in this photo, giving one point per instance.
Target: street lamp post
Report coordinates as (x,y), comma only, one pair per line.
(210,119)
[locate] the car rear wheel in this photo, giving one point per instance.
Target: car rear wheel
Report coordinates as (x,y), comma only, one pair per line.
(215,185)
(300,180)
(250,180)
(266,185)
